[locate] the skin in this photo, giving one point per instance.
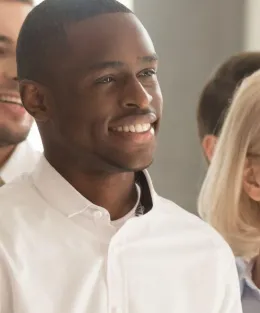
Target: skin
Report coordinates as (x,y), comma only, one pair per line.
(105,80)
(208,144)
(15,122)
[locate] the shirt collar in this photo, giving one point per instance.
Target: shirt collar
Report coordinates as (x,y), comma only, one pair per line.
(245,275)
(143,179)
(68,200)
(22,160)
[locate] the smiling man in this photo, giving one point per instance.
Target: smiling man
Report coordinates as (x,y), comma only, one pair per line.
(86,232)
(16,156)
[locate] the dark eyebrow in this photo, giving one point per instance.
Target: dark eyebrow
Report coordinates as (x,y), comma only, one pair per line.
(117,64)
(106,64)
(5,39)
(148,58)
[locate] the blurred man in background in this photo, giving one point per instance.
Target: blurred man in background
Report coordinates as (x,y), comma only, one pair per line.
(217,94)
(16,155)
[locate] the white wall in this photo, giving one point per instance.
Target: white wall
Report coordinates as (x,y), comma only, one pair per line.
(128,3)
(252,25)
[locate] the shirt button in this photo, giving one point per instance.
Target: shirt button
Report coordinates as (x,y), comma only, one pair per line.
(97,214)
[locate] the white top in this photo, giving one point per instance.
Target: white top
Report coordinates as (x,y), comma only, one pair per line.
(22,160)
(250,294)
(120,222)
(59,253)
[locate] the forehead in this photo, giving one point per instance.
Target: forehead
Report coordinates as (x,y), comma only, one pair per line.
(116,36)
(12,16)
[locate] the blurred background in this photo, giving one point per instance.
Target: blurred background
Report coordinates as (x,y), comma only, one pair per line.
(191,38)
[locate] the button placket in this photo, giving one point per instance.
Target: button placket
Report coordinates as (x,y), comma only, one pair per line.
(115,278)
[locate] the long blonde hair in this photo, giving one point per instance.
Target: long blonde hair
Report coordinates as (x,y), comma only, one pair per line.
(222,201)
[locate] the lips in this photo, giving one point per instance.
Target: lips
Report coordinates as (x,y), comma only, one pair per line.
(11,99)
(11,104)
(135,124)
(137,128)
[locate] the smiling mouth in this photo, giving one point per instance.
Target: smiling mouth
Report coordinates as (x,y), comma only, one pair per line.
(10,99)
(135,128)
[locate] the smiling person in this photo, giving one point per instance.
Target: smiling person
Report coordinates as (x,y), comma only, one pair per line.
(86,231)
(16,155)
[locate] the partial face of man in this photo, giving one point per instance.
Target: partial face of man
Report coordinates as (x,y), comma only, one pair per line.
(15,122)
(108,101)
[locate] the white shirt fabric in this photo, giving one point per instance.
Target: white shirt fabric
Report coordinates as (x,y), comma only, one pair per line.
(250,293)
(60,253)
(120,222)
(22,160)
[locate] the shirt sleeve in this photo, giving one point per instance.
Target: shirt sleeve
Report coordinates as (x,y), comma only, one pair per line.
(6,303)
(232,299)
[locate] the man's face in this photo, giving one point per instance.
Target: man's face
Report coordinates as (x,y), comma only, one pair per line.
(15,122)
(108,101)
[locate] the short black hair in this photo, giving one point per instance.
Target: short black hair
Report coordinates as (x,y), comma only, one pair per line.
(217,94)
(43,34)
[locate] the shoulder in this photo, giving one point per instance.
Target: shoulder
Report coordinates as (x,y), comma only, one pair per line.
(192,228)
(22,208)
(20,192)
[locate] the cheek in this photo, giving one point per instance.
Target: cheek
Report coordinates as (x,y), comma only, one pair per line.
(81,122)
(28,120)
(7,65)
(157,98)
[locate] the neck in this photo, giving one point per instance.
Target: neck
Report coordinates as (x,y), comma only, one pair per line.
(115,192)
(5,153)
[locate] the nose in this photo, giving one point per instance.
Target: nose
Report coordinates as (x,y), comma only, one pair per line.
(135,96)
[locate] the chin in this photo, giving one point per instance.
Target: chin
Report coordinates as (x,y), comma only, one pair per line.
(9,137)
(136,166)
(126,162)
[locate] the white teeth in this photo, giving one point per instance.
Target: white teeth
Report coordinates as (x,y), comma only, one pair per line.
(152,131)
(10,99)
(126,129)
(146,127)
(132,128)
(138,128)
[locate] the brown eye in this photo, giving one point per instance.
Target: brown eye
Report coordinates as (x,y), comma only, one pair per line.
(105,80)
(147,73)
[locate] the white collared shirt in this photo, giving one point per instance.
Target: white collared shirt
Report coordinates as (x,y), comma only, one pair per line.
(22,160)
(250,294)
(59,253)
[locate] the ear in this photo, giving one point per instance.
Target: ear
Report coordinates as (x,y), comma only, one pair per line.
(208,145)
(36,99)
(251,180)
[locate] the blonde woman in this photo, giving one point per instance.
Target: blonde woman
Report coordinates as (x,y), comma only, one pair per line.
(230,195)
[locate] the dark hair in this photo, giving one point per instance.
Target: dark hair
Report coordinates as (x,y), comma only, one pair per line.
(43,34)
(217,94)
